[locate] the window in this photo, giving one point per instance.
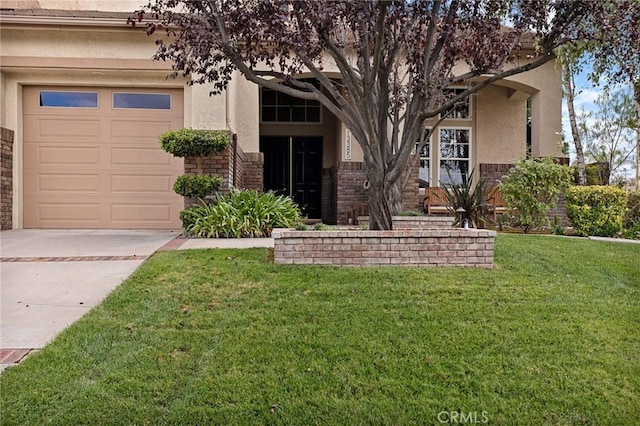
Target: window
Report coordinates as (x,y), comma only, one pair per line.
(424,174)
(59,99)
(277,107)
(455,150)
(142,100)
(462,108)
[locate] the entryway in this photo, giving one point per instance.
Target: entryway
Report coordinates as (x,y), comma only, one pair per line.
(293,167)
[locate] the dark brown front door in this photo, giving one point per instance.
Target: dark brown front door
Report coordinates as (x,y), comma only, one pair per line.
(293,167)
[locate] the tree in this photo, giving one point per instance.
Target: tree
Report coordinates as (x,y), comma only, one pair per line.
(609,133)
(396,60)
(569,59)
(614,50)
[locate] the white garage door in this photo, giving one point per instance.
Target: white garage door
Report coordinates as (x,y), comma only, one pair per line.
(92,158)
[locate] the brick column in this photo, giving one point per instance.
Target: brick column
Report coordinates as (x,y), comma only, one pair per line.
(6,178)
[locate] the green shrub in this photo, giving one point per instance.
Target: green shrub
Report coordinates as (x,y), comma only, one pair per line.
(194,143)
(242,214)
(632,215)
(472,198)
(596,210)
(198,186)
(411,213)
(531,189)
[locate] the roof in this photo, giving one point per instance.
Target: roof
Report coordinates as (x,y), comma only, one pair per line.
(64,17)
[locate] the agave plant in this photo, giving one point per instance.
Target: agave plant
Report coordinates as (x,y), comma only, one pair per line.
(472,198)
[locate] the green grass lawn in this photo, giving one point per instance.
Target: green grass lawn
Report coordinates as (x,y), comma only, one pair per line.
(550,336)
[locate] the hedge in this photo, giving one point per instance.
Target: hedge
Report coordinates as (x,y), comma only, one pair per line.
(194,143)
(596,210)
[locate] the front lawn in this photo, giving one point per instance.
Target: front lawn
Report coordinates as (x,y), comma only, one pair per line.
(550,336)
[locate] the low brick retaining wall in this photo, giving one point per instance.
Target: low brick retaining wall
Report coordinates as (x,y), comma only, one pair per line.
(414,222)
(417,247)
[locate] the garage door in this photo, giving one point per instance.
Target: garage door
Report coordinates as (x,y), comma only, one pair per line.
(92,158)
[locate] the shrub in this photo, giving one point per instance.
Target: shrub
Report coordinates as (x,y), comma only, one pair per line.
(596,210)
(531,189)
(472,198)
(632,215)
(242,214)
(198,186)
(194,143)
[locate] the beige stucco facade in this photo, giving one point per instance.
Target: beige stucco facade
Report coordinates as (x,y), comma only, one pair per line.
(106,52)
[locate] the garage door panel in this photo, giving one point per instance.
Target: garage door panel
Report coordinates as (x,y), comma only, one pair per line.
(140,157)
(100,167)
(135,183)
(68,128)
(61,156)
(65,183)
(149,213)
(123,131)
(53,212)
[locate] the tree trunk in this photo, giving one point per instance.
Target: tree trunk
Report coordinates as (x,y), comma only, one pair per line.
(380,217)
(636,96)
(577,140)
(396,204)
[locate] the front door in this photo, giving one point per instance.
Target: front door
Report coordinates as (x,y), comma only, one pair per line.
(293,167)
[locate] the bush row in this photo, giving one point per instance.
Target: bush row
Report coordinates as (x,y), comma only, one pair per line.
(599,210)
(241,214)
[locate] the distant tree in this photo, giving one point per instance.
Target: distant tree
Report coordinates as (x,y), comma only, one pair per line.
(570,59)
(609,133)
(396,59)
(614,51)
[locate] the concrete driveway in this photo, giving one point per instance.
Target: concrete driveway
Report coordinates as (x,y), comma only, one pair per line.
(50,278)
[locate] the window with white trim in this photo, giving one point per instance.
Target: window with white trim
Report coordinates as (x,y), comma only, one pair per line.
(424,173)
(455,155)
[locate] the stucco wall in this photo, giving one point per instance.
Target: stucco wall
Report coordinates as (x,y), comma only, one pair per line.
(500,126)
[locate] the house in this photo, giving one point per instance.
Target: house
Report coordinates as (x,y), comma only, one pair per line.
(83,103)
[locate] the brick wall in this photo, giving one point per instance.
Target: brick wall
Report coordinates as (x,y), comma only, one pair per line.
(492,173)
(327,199)
(6,178)
(232,164)
(426,247)
(351,197)
(411,197)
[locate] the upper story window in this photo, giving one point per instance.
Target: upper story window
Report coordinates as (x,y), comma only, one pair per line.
(142,100)
(67,99)
(461,110)
(277,107)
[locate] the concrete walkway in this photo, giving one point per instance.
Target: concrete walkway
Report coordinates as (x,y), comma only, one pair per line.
(51,278)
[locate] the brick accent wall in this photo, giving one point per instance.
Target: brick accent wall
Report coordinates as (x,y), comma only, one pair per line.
(411,197)
(6,178)
(232,164)
(327,199)
(351,197)
(492,173)
(252,171)
(427,247)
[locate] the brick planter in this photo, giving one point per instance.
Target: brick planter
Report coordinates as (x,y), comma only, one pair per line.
(414,222)
(417,247)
